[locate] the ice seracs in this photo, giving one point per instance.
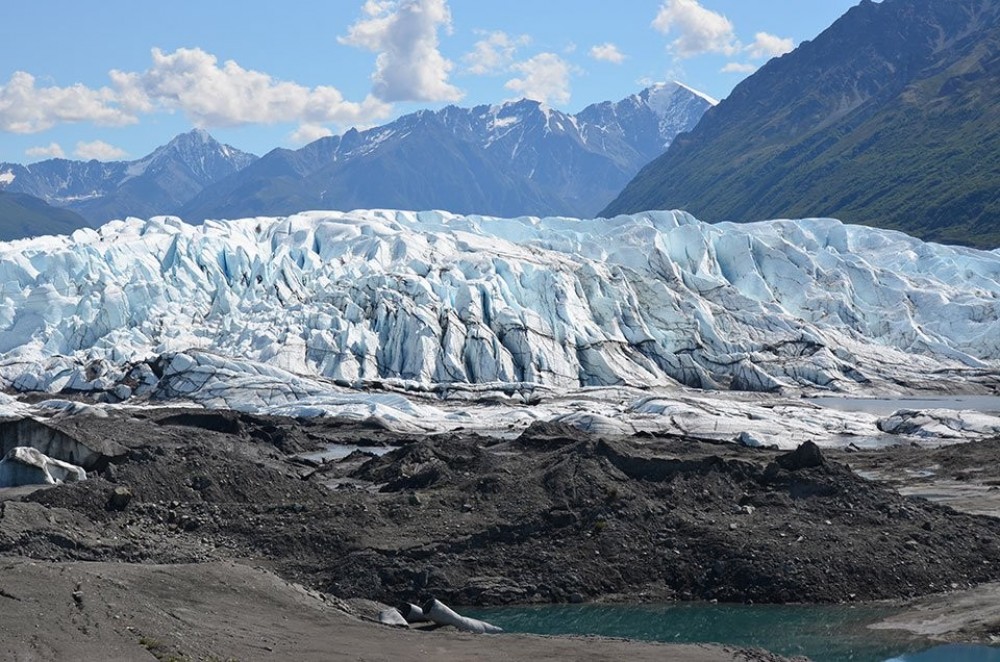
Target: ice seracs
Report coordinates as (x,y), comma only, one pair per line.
(287,315)
(435,298)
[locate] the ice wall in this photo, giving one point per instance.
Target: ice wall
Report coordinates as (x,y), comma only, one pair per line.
(651,299)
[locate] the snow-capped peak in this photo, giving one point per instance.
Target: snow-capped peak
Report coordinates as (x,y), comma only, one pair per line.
(697,93)
(196,149)
(663,98)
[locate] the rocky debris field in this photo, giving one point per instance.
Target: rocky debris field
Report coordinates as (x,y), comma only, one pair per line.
(548,517)
(963,476)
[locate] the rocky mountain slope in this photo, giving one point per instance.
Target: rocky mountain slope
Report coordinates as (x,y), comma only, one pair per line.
(888,118)
(511,159)
(23,215)
(159,183)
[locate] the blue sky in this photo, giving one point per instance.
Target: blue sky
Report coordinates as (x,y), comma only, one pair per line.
(115,79)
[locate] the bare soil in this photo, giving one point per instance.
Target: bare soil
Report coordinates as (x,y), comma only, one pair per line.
(229,611)
(549,517)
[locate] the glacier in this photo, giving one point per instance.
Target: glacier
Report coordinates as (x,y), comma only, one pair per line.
(395,316)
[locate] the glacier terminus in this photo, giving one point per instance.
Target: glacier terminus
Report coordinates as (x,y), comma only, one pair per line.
(409,319)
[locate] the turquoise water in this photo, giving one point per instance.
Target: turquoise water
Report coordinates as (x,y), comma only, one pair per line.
(823,633)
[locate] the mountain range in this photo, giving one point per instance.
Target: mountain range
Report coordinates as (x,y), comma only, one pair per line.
(516,158)
(890,118)
(159,183)
(512,159)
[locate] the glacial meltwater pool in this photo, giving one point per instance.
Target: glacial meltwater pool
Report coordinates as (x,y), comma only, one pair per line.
(823,633)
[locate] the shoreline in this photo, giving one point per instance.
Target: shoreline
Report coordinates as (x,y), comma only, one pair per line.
(229,610)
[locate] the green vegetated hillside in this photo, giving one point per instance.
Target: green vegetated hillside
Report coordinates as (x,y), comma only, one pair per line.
(890,118)
(26,216)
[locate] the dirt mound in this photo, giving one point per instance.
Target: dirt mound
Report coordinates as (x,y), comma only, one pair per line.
(427,463)
(475,521)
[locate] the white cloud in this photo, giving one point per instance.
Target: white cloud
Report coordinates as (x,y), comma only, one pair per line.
(769,45)
(99,150)
(404,33)
(699,30)
(306,133)
(50,151)
(25,108)
(493,54)
(607,52)
(764,46)
(545,78)
(192,81)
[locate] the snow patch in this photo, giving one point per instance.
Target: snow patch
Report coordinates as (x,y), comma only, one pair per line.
(504,122)
(711,100)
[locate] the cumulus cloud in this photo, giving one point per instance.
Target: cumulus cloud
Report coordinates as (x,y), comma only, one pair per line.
(768,45)
(404,33)
(306,133)
(699,30)
(544,77)
(190,81)
(765,45)
(27,108)
(494,53)
(98,149)
(50,151)
(607,52)
(193,82)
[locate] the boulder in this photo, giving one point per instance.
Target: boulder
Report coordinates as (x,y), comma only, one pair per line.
(806,456)
(119,498)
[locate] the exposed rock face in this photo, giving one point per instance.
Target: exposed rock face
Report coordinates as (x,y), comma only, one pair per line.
(27,466)
(887,118)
